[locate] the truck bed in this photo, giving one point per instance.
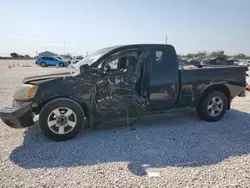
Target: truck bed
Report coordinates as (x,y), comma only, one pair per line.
(215,73)
(193,82)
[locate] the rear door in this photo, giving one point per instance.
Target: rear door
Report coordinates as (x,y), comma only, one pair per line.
(51,61)
(164,77)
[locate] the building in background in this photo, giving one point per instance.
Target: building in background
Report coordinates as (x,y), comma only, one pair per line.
(47,54)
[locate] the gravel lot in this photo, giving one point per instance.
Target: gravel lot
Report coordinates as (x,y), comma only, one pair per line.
(179,152)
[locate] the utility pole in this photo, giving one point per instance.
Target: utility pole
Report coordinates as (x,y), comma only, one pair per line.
(64,46)
(166,39)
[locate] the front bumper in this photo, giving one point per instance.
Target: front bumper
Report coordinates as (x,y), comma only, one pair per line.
(17,117)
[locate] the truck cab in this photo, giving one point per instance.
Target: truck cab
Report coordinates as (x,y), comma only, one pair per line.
(150,71)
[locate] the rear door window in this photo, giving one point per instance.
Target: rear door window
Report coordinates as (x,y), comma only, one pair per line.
(164,61)
(158,67)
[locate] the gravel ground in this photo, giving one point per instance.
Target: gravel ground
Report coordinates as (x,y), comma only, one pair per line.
(179,152)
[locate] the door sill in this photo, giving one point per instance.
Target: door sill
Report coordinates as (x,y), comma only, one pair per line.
(149,116)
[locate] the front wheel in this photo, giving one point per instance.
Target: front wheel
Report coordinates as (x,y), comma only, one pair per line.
(61,119)
(212,107)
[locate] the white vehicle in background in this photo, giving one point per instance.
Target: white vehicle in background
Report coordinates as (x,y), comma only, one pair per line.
(236,61)
(244,63)
(66,59)
(76,59)
(248,62)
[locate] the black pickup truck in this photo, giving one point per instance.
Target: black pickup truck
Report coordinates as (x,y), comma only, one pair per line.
(122,83)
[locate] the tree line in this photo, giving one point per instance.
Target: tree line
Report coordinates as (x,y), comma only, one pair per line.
(199,55)
(219,53)
(15,55)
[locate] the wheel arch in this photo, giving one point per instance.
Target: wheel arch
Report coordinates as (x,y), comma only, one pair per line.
(83,105)
(217,87)
(61,63)
(43,62)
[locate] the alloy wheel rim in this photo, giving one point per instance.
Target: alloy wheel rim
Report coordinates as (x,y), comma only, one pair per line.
(62,120)
(215,106)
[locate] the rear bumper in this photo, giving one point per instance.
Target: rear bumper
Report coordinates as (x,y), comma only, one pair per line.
(242,94)
(17,117)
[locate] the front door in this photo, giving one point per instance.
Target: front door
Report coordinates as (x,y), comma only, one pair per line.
(50,61)
(164,78)
(118,90)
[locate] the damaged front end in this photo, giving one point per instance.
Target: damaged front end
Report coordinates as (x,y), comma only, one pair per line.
(17,117)
(20,114)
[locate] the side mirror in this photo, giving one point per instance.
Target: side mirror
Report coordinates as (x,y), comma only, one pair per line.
(106,69)
(84,69)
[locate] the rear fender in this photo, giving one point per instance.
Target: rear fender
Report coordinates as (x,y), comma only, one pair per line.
(219,87)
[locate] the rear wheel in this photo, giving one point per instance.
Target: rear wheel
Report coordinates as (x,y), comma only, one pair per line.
(43,64)
(212,106)
(61,119)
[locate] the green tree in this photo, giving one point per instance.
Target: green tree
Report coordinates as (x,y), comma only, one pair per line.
(201,55)
(240,56)
(190,56)
(14,55)
(219,53)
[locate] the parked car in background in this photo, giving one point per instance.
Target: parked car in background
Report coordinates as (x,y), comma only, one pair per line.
(66,59)
(194,62)
(245,63)
(218,61)
(77,59)
(248,62)
(183,62)
(236,62)
(51,61)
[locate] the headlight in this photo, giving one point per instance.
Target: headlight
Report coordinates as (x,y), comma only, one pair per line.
(24,92)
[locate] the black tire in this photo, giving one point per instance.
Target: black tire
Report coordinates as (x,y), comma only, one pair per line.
(43,64)
(202,107)
(61,65)
(45,114)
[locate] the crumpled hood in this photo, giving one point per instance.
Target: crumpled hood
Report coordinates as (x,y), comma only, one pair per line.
(46,77)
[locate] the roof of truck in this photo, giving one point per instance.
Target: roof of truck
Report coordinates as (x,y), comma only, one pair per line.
(130,46)
(140,45)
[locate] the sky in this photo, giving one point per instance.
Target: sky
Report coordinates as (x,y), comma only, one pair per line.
(80,26)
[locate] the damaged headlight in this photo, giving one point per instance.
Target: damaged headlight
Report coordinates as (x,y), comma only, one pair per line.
(24,92)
